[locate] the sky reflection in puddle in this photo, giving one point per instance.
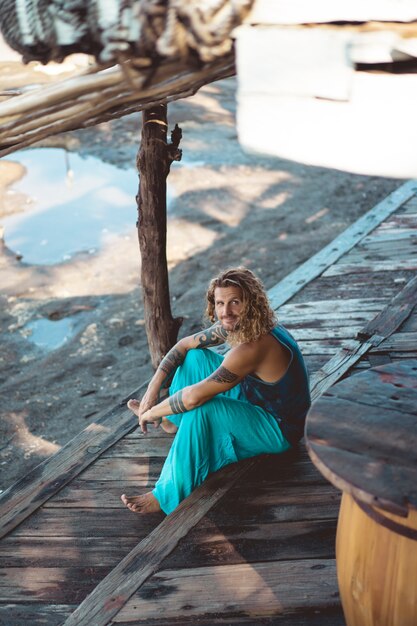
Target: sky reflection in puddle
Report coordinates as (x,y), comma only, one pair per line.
(77,204)
(50,335)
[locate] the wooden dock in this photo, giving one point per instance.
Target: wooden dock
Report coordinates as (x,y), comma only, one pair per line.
(255,543)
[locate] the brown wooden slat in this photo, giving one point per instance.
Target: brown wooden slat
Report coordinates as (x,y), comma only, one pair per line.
(281,587)
(108,597)
(325,616)
(46,479)
(211,544)
(72,522)
(57,585)
(94,494)
(143,470)
(59,551)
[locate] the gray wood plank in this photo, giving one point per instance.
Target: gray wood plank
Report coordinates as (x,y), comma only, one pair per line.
(281,587)
(316,265)
(34,613)
(371,267)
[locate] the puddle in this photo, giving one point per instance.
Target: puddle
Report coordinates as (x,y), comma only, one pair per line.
(76,205)
(50,335)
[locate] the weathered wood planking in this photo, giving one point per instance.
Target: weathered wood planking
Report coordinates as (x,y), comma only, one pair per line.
(62,551)
(281,587)
(34,614)
(399,342)
(112,592)
(371,267)
(325,616)
(316,265)
(91,522)
(29,493)
(95,494)
(378,329)
(208,544)
(60,585)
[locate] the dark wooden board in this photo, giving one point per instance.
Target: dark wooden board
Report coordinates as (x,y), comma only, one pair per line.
(131,572)
(51,585)
(34,614)
(268,589)
(212,544)
(367,450)
(143,470)
(323,617)
(88,523)
(266,505)
(84,494)
(61,551)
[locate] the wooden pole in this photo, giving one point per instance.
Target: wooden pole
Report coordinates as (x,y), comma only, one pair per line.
(153,162)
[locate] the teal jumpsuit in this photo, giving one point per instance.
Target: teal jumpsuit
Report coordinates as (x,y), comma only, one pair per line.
(224,430)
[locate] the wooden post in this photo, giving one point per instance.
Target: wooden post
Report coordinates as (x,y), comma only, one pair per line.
(153,162)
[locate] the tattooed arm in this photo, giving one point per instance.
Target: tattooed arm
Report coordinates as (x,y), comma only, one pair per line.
(238,363)
(213,336)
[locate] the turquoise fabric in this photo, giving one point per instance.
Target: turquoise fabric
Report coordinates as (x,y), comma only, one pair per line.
(224,430)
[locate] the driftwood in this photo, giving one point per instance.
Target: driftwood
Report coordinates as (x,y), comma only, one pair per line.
(100,95)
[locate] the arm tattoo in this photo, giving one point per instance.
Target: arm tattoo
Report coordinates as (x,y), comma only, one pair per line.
(171,361)
(223,375)
(176,403)
(211,337)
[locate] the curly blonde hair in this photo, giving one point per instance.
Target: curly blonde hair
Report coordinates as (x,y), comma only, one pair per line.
(257,318)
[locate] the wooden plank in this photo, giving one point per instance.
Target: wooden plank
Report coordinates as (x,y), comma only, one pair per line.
(401,342)
(56,585)
(288,504)
(208,544)
(140,446)
(371,267)
(108,597)
(325,616)
(21,552)
(94,494)
(378,329)
(46,479)
(34,614)
(145,470)
(316,265)
(281,587)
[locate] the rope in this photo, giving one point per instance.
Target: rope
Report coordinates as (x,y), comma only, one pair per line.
(49,30)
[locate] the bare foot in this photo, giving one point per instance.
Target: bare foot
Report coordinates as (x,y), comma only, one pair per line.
(141,504)
(168,426)
(134,405)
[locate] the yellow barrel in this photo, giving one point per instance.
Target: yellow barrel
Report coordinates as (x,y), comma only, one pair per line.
(376,557)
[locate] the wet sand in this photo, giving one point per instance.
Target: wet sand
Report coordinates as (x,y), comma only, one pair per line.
(228,208)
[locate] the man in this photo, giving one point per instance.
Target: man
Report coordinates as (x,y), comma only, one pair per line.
(252,401)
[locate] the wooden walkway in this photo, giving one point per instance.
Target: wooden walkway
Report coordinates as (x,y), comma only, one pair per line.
(255,543)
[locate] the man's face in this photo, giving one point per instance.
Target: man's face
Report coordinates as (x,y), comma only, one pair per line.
(228,306)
